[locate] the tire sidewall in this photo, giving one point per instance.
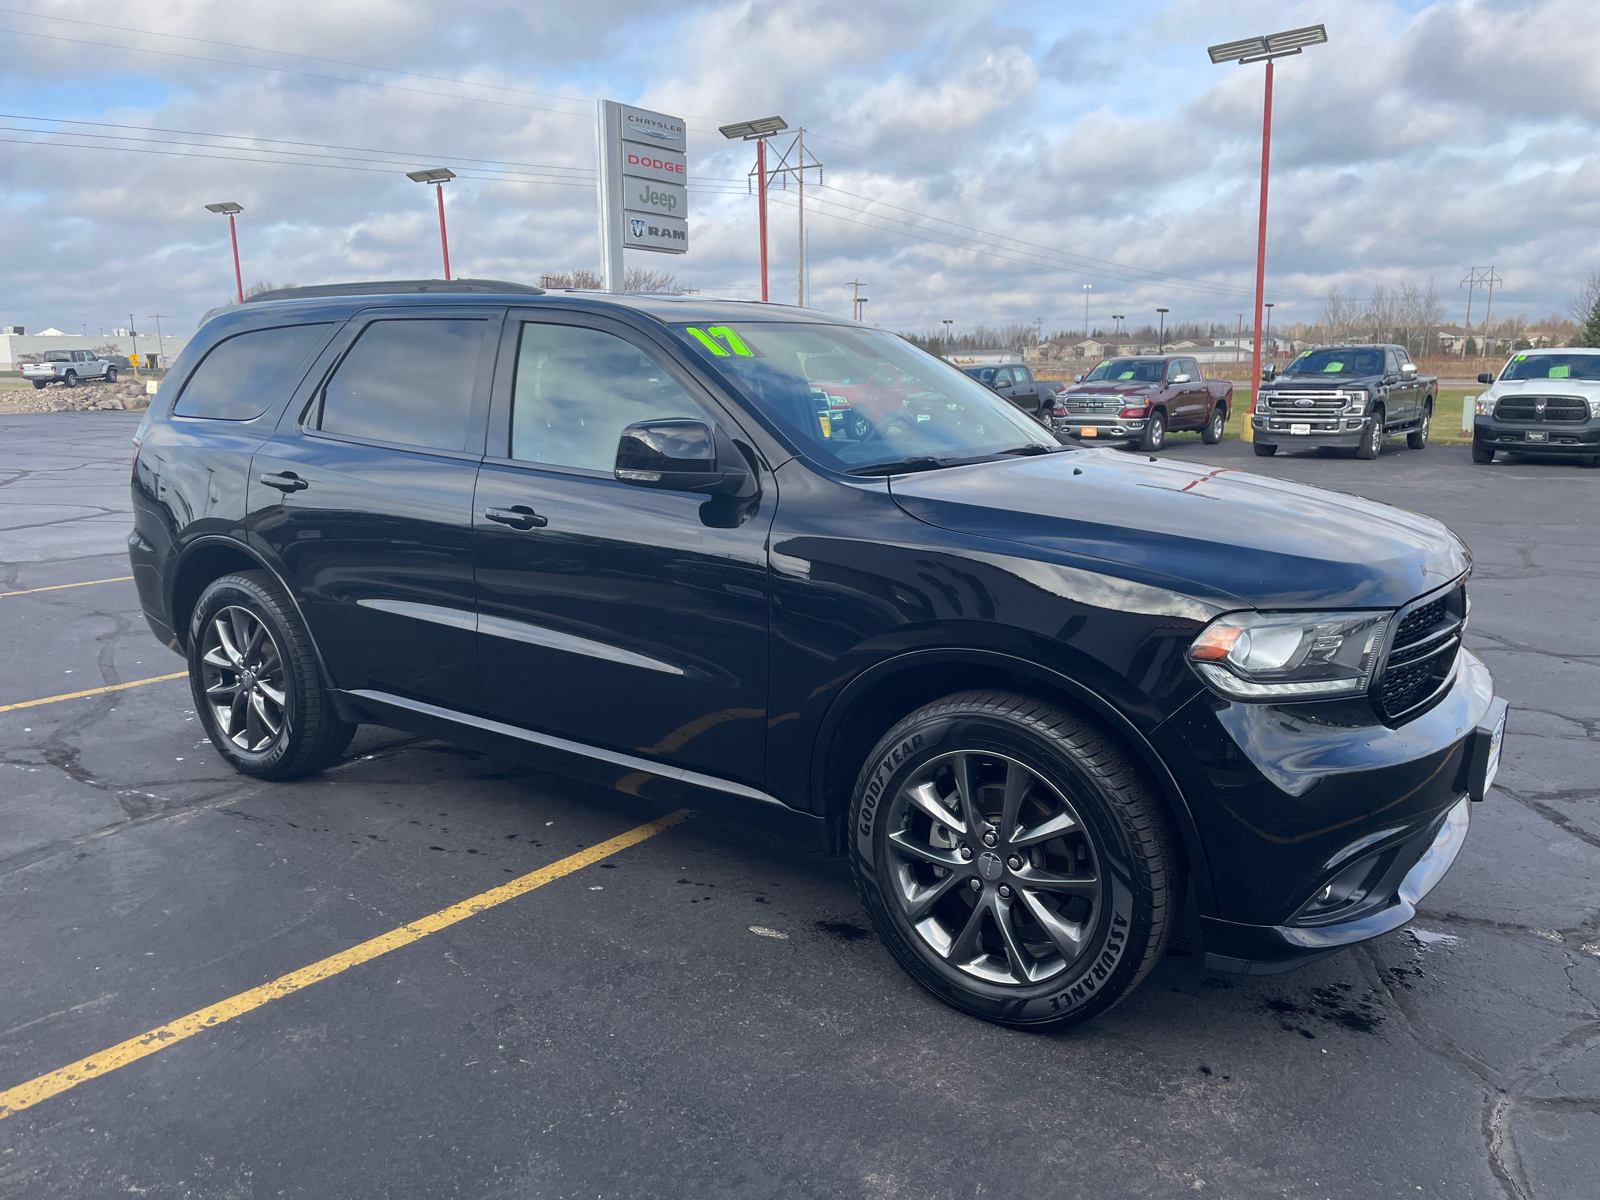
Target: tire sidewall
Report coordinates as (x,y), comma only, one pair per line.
(1155,435)
(234,591)
(1102,974)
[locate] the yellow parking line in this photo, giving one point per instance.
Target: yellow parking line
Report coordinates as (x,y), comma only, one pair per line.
(56,587)
(110,687)
(26,1095)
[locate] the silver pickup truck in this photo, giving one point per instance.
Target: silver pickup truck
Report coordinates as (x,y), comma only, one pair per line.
(68,367)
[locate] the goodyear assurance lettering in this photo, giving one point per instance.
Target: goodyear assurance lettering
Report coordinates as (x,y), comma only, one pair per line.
(1105,962)
(880,778)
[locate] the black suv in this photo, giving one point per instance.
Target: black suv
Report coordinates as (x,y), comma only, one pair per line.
(1028,688)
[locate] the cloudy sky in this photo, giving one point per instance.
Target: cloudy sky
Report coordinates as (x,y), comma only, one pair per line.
(983,160)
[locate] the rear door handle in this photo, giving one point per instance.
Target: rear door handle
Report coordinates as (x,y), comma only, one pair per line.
(518,516)
(285,481)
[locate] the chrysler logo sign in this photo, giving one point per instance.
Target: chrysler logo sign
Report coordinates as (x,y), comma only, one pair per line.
(637,226)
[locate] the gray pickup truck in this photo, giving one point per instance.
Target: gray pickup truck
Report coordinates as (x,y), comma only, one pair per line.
(1347,396)
(68,367)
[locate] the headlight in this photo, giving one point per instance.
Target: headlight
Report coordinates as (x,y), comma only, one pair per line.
(1356,402)
(1485,405)
(1282,656)
(1594,407)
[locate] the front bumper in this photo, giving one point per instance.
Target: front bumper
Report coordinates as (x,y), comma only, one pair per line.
(1275,429)
(1322,827)
(1550,437)
(1100,428)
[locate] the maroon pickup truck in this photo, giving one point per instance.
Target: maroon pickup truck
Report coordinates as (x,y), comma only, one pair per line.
(1138,401)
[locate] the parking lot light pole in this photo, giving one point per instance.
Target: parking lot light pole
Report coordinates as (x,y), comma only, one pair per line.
(1087,288)
(438,177)
(758,131)
(1253,50)
(1268,334)
(229,207)
(1161,338)
(947,323)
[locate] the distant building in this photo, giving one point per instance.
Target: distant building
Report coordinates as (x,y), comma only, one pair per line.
(984,358)
(18,347)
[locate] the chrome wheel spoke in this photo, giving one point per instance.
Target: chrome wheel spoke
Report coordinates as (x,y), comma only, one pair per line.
(1087,886)
(922,901)
(225,643)
(969,942)
(971,813)
(275,694)
(926,797)
(259,703)
(909,846)
(217,657)
(1018,958)
(1069,938)
(1019,782)
(1056,826)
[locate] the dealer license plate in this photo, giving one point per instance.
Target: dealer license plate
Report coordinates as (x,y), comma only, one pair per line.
(1494,752)
(1089,431)
(1300,430)
(1537,437)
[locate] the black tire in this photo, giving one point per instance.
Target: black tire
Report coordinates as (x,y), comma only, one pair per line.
(1212,433)
(1372,437)
(1264,449)
(1482,454)
(39,384)
(111,374)
(1110,883)
(1155,431)
(273,678)
(70,379)
(1417,439)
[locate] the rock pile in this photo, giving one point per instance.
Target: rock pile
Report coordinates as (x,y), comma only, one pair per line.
(124,394)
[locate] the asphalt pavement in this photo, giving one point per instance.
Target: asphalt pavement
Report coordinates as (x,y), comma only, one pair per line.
(705,1012)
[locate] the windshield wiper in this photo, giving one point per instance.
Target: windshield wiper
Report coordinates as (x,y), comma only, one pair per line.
(920,463)
(1033,448)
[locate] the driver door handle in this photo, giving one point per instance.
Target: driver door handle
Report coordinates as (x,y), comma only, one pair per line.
(285,481)
(518,516)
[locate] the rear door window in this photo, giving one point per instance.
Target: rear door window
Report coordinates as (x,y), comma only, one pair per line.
(242,376)
(577,389)
(409,382)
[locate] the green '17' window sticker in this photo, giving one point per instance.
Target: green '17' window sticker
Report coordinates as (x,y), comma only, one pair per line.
(719,339)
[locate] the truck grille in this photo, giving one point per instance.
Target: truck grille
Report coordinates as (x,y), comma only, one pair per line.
(1093,404)
(1423,653)
(1541,408)
(1322,404)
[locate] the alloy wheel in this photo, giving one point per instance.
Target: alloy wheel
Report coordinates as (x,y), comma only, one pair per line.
(242,672)
(993,869)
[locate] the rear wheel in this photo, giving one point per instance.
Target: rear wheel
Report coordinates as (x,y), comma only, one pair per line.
(1155,431)
(1417,439)
(1482,454)
(70,379)
(1014,860)
(255,680)
(39,384)
(1372,439)
(1264,449)
(1212,433)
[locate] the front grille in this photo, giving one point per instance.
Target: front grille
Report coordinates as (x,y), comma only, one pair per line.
(1089,404)
(1422,655)
(1542,408)
(1305,404)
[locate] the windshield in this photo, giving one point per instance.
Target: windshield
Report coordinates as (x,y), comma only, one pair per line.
(1127,370)
(1355,361)
(57,356)
(1552,366)
(859,398)
(981,374)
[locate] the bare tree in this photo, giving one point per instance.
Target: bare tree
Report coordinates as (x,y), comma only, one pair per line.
(256,288)
(582,279)
(1582,306)
(1337,315)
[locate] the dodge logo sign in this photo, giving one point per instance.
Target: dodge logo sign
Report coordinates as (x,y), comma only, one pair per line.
(637,227)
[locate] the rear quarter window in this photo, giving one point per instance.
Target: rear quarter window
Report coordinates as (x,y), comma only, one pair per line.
(407,381)
(242,376)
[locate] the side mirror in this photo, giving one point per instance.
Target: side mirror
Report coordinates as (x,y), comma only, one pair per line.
(1179,379)
(1485,378)
(681,455)
(1408,368)
(1077,379)
(1269,372)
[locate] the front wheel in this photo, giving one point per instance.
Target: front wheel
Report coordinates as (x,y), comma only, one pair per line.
(255,680)
(1155,431)
(1014,860)
(111,374)
(1372,440)
(1264,449)
(1212,433)
(1482,454)
(1417,439)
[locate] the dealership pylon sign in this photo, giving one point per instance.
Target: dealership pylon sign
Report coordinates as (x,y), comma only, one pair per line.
(644,176)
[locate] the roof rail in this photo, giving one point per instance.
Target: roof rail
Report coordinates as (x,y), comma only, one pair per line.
(389,287)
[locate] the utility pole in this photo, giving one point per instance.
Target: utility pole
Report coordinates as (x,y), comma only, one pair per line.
(1477,277)
(855,286)
(798,166)
(161,345)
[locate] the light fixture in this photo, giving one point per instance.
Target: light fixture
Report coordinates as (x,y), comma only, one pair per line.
(432,175)
(1272,45)
(750,130)
(227,206)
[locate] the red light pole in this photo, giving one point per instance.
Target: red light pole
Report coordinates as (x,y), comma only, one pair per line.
(1251,50)
(230,208)
(758,132)
(438,177)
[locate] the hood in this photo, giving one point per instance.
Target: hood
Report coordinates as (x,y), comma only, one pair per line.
(1587,388)
(1102,388)
(1227,534)
(1319,382)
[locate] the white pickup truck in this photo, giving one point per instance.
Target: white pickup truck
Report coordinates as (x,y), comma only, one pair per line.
(68,367)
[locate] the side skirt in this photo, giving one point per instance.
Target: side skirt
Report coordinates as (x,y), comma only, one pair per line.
(707,794)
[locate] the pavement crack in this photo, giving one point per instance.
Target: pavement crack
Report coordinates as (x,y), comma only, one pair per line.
(1557,818)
